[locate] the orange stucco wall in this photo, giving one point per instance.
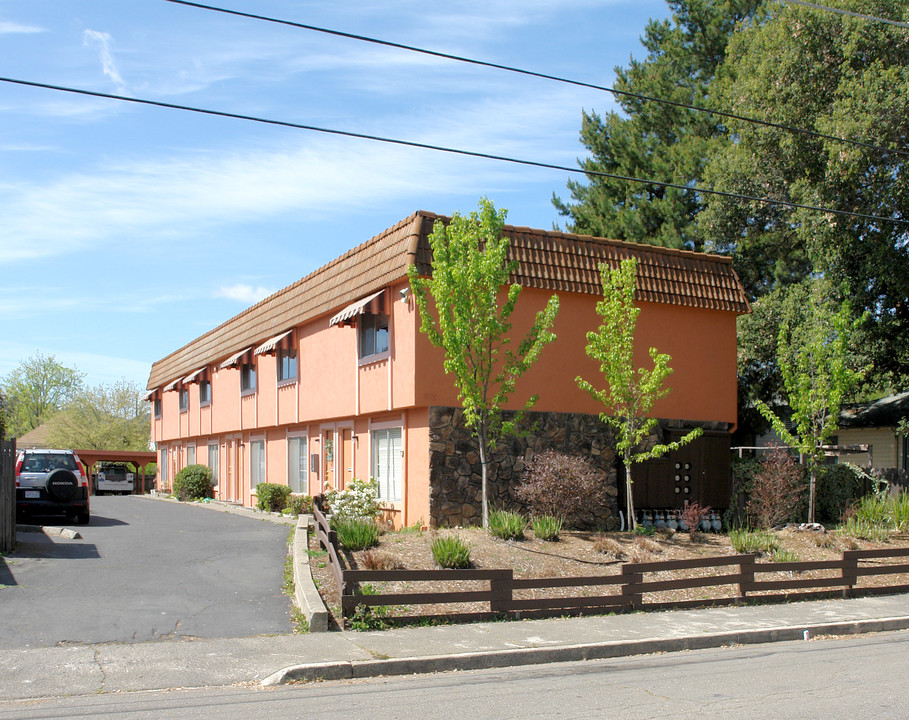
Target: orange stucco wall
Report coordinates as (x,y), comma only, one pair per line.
(702,344)
(338,396)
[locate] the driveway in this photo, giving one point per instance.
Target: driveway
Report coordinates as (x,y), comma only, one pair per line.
(144,570)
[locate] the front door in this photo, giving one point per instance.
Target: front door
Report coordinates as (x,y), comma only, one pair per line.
(345,457)
(328,460)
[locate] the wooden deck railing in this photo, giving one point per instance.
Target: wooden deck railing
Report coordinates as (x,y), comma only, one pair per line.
(630,588)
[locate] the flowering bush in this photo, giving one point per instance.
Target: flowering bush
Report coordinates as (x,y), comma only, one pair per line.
(359,499)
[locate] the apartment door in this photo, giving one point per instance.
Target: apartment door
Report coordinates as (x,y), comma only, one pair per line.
(345,457)
(232,471)
(328,459)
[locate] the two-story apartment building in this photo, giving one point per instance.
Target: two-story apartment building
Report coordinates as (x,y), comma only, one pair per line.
(330,378)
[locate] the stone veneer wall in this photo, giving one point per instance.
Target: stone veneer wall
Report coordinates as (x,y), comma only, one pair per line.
(455,494)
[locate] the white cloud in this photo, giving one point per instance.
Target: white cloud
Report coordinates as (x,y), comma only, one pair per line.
(11,28)
(246,294)
(108,65)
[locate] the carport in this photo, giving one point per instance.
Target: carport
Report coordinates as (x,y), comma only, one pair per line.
(139,459)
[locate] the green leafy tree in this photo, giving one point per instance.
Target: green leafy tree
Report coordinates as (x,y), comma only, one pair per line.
(36,390)
(113,417)
(630,393)
(813,357)
(654,140)
(842,76)
(470,321)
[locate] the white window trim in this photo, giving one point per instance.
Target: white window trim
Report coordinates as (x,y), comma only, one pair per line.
(304,436)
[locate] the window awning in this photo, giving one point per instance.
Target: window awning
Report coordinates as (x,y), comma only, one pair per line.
(148,396)
(194,376)
(269,346)
(235,358)
(171,386)
(358,308)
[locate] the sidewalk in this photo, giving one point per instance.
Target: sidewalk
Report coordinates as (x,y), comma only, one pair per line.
(119,667)
(123,667)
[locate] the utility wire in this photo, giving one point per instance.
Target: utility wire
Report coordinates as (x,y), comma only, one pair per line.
(841,11)
(449,150)
(544,76)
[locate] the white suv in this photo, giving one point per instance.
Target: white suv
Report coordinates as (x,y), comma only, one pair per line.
(51,482)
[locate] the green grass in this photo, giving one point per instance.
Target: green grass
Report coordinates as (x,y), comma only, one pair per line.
(355,533)
(747,542)
(507,525)
(450,551)
(546,527)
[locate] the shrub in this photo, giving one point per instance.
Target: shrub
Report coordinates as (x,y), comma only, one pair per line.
(608,546)
(778,490)
(561,485)
(691,515)
(193,483)
(754,543)
(838,487)
(507,525)
(369,617)
(272,497)
(298,505)
(449,551)
(358,499)
(546,527)
(356,533)
(379,560)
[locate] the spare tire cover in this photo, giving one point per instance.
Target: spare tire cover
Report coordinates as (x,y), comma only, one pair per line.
(62,485)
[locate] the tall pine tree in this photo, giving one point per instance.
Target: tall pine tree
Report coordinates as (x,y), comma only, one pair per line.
(655,140)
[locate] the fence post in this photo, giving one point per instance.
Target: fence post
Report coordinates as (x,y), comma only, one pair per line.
(631,586)
(7,494)
(746,570)
(502,591)
(850,571)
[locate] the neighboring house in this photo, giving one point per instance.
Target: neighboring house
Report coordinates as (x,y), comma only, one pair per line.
(35,438)
(330,379)
(874,424)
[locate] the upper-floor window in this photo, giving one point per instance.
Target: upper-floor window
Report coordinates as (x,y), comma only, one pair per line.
(247,378)
(373,334)
(184,399)
(205,392)
(157,407)
(287,365)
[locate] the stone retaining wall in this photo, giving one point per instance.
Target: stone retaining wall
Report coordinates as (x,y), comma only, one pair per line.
(455,494)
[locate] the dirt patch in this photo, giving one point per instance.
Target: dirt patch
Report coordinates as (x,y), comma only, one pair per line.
(583,555)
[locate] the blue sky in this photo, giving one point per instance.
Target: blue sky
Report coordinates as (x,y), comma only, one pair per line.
(128,230)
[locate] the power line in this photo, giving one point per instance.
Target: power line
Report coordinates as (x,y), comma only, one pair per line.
(449,150)
(841,11)
(544,76)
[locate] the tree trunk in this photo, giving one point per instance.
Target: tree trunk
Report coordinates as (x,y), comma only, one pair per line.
(481,436)
(812,483)
(629,504)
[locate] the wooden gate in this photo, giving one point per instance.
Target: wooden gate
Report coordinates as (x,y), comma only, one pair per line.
(7,495)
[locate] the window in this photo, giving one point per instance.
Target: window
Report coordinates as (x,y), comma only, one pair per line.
(184,399)
(387,456)
(205,392)
(191,455)
(373,335)
(287,365)
(256,462)
(157,407)
(213,462)
(247,378)
(296,464)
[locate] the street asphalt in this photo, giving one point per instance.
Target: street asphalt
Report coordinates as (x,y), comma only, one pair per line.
(76,669)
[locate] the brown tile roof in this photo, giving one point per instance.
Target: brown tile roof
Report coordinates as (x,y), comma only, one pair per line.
(555,261)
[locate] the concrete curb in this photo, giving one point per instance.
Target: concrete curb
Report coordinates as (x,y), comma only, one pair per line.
(348,670)
(67,533)
(305,592)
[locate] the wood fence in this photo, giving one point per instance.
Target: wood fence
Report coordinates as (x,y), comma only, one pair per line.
(7,495)
(633,588)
